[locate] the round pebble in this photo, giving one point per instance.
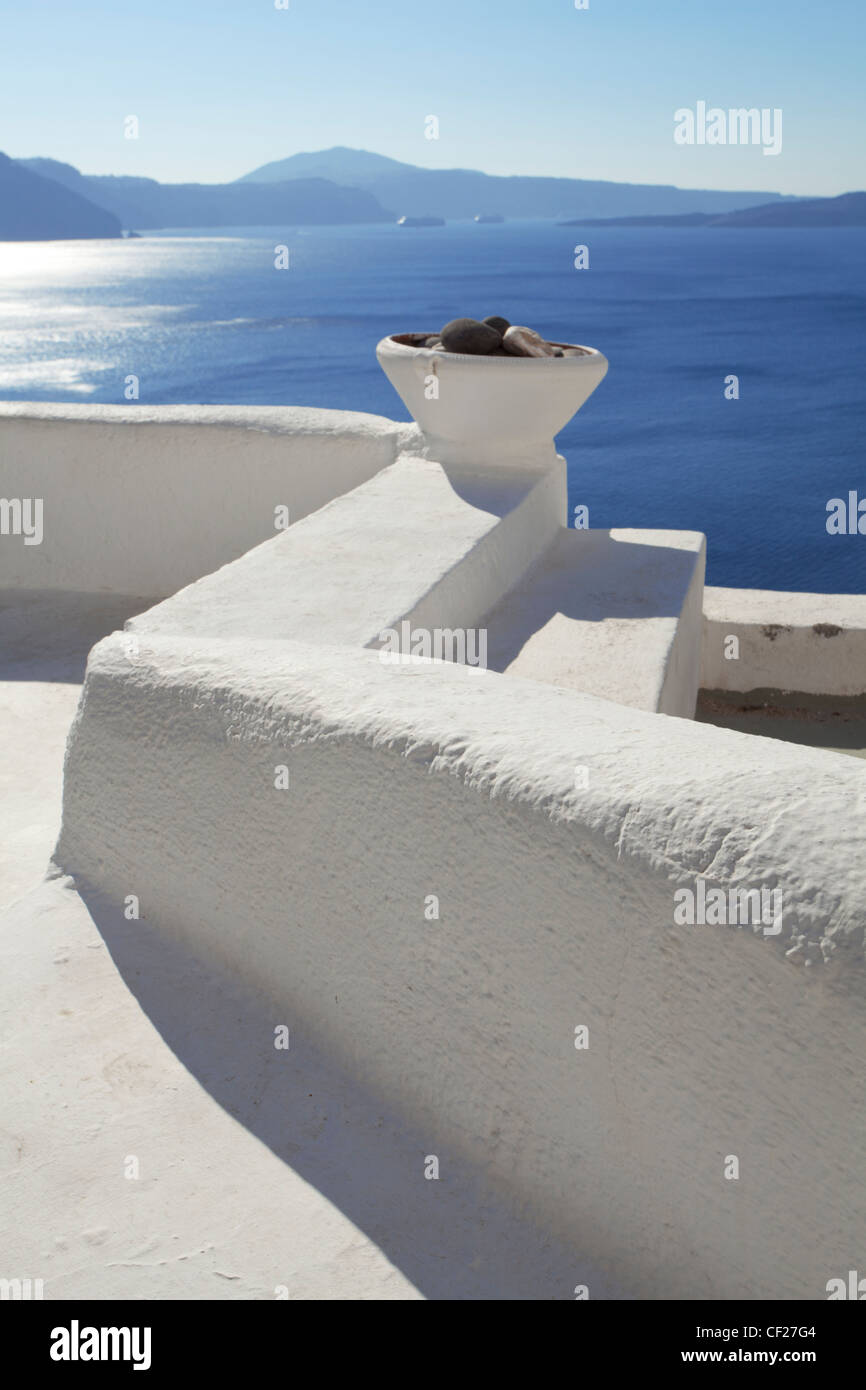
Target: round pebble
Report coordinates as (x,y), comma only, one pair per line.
(470,336)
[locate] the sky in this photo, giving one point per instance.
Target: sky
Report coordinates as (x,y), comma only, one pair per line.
(220,87)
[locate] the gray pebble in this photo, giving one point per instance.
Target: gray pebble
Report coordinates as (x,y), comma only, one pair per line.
(470,336)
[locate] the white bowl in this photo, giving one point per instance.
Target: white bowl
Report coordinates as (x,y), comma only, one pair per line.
(474,409)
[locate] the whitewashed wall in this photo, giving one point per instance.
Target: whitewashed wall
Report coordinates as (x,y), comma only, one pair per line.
(145,500)
(813,643)
(141,500)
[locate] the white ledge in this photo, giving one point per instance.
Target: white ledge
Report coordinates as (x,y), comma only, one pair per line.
(809,643)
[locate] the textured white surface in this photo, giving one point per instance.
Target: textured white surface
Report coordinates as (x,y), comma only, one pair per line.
(144,500)
(814,643)
(556,910)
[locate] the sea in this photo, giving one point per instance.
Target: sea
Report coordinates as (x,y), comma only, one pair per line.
(735,401)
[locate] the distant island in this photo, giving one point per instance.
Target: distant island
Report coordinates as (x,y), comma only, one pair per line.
(848,210)
(44,199)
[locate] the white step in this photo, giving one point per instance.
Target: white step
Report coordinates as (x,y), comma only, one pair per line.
(610,613)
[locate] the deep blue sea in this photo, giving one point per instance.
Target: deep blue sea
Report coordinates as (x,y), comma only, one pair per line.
(205,318)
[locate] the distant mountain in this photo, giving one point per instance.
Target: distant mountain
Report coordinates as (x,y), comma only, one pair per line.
(848,210)
(144,203)
(340,164)
(33,208)
(464,192)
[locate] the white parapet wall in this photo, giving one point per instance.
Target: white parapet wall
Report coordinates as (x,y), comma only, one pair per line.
(473,891)
(143,500)
(758,639)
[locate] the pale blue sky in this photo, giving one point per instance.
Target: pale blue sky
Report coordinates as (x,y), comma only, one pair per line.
(519,86)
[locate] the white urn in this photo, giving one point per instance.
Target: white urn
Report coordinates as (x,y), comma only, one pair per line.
(489,409)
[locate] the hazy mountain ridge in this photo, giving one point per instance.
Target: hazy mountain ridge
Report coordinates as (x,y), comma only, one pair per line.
(343,186)
(144,204)
(34,208)
(460,193)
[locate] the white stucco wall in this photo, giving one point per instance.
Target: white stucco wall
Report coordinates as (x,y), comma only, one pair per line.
(555,910)
(810,643)
(143,500)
